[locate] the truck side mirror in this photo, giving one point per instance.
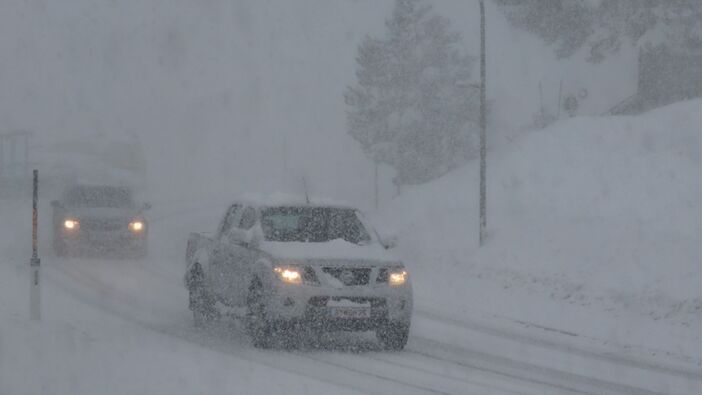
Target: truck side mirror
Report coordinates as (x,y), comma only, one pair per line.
(388,241)
(249,238)
(235,236)
(254,239)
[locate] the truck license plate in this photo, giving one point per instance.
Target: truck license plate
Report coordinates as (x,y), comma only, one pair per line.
(350,312)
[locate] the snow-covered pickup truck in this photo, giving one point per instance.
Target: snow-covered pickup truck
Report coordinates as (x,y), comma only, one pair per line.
(293,268)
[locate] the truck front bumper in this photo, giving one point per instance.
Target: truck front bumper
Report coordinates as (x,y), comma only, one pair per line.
(313,306)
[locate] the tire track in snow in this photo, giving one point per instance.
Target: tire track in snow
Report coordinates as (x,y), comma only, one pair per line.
(516,336)
(425,365)
(566,381)
(451,384)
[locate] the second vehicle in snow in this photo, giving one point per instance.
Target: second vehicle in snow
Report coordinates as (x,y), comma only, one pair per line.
(99,219)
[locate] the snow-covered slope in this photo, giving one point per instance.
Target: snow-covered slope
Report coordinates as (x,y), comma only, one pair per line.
(594,229)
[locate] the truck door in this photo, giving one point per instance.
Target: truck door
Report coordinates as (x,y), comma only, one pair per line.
(243,255)
(239,257)
(219,252)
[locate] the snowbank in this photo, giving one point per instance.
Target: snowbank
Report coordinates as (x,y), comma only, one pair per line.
(594,228)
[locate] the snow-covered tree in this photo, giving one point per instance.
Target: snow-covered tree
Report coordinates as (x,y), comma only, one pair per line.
(604,26)
(413,106)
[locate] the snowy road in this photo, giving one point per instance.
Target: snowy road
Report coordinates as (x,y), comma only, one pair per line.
(445,355)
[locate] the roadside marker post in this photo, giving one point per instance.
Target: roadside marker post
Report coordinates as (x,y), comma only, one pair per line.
(482,127)
(34,263)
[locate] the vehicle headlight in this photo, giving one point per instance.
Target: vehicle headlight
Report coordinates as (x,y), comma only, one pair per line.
(288,274)
(136,226)
(71,224)
(397,277)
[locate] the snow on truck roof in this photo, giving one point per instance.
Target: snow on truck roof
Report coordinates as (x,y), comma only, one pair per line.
(287,199)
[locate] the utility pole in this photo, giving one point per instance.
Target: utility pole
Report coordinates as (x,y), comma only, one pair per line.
(482,125)
(34,297)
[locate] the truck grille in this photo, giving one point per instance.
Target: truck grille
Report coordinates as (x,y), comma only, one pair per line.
(309,275)
(383,276)
(102,224)
(322,301)
(349,276)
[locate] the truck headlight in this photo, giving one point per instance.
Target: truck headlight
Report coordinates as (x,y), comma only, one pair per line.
(288,274)
(136,226)
(71,224)
(397,277)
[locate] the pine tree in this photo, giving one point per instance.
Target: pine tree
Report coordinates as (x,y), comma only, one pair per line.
(412,107)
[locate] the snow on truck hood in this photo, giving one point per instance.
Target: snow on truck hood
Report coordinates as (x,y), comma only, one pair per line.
(331,250)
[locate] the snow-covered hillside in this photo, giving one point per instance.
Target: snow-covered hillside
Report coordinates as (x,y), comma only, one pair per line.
(594,230)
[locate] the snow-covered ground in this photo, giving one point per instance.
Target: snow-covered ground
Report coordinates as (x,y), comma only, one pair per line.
(590,283)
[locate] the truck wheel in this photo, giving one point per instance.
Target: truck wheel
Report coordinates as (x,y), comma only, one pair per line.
(204,312)
(291,335)
(393,336)
(199,299)
(258,327)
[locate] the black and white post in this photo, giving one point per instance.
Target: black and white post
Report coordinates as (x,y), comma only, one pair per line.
(482,126)
(35,296)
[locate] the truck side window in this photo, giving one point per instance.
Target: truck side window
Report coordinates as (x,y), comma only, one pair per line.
(248,218)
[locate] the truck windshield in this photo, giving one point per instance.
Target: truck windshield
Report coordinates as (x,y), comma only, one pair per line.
(313,224)
(99,196)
